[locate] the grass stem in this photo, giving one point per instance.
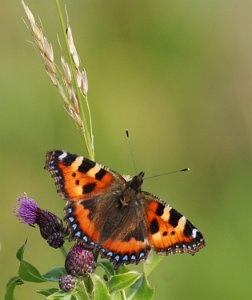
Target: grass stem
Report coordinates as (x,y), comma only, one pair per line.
(86,131)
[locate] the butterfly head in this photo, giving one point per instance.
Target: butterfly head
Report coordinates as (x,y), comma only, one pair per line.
(136,182)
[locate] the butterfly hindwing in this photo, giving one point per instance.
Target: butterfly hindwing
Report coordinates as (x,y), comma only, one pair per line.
(80,223)
(169,231)
(125,252)
(127,243)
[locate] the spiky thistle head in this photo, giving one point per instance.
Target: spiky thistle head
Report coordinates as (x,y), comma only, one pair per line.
(80,261)
(51,227)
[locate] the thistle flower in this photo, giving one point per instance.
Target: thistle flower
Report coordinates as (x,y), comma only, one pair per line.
(51,227)
(27,210)
(80,261)
(67,282)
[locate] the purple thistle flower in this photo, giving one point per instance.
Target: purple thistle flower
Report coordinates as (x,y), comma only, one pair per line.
(27,210)
(80,261)
(51,227)
(67,282)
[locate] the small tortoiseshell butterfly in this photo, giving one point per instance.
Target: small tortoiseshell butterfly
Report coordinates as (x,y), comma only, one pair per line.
(112,214)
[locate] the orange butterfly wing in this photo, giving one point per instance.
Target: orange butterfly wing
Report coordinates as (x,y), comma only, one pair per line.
(76,177)
(129,244)
(169,231)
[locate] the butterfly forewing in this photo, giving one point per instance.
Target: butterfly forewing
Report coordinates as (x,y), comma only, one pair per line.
(77,177)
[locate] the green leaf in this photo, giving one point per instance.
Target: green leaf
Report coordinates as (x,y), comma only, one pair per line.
(118,296)
(101,291)
(54,274)
(48,292)
(152,262)
(107,266)
(10,287)
(122,269)
(20,252)
(123,281)
(63,295)
(28,272)
(140,290)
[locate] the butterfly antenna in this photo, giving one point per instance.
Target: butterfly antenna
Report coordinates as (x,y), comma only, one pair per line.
(168,173)
(130,150)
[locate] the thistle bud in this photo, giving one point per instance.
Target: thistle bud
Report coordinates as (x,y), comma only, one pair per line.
(67,283)
(51,228)
(80,261)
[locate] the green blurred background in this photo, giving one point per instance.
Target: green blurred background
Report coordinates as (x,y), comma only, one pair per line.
(178,74)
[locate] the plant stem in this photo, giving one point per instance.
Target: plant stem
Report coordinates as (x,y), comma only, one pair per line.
(122,292)
(63,251)
(87,135)
(90,126)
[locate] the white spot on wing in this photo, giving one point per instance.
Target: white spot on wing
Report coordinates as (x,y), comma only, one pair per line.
(63,155)
(194,233)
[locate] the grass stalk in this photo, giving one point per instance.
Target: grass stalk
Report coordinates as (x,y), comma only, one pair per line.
(87,132)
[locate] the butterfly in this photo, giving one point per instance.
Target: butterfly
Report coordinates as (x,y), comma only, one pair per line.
(111,213)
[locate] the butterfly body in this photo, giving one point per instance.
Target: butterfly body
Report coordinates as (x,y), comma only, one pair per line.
(112,214)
